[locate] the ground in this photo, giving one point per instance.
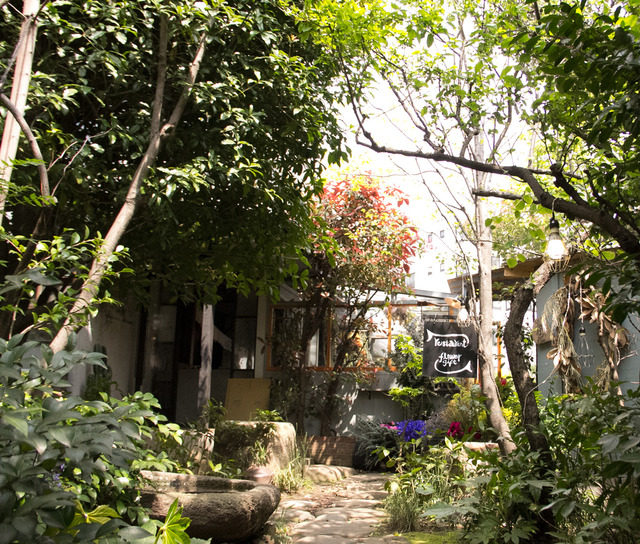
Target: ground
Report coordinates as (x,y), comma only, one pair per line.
(349,510)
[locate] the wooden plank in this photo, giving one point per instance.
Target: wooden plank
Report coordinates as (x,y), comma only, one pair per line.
(245,396)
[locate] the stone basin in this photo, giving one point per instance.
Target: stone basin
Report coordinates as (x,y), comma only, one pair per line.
(221,509)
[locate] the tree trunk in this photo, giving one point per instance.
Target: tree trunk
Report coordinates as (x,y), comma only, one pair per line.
(484,322)
(19,90)
(326,418)
(522,380)
(525,388)
(91,285)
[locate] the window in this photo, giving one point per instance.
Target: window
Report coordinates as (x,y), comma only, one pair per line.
(322,351)
(286,336)
(441,235)
(244,333)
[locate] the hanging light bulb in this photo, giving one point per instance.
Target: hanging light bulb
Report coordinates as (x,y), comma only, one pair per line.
(463,316)
(555,246)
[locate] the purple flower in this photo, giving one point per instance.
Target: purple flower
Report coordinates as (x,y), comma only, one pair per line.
(411,429)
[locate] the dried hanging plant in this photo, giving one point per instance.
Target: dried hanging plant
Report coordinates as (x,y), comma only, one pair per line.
(612,337)
(558,317)
(556,324)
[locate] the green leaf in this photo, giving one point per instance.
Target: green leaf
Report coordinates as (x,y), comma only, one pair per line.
(173,529)
(609,442)
(17,419)
(38,277)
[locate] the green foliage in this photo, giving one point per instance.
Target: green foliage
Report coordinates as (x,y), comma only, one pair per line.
(371,437)
(212,414)
(257,130)
(69,467)
(188,448)
(580,60)
(242,444)
(519,229)
(172,531)
(99,380)
(404,510)
(586,491)
(292,477)
(620,288)
(449,537)
(510,403)
(467,408)
(266,415)
(415,392)
(423,478)
(43,289)
(548,87)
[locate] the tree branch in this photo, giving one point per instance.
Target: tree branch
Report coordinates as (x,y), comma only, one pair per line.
(598,216)
(125,215)
(498,194)
(33,143)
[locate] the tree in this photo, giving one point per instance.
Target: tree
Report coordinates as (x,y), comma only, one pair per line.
(192,133)
(364,247)
(563,70)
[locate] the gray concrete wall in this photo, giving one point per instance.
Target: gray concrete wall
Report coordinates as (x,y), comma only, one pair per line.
(629,369)
(115,329)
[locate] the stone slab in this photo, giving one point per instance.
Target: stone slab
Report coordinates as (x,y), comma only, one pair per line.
(319,474)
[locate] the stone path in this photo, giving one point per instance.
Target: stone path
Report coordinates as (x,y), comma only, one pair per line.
(347,510)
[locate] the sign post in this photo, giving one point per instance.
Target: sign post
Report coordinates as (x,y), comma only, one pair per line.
(449,350)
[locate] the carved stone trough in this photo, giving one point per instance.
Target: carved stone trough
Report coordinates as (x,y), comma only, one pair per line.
(221,509)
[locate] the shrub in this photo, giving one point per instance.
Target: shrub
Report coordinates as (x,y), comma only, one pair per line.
(404,510)
(292,477)
(586,491)
(242,444)
(371,436)
(423,478)
(69,468)
(415,392)
(467,408)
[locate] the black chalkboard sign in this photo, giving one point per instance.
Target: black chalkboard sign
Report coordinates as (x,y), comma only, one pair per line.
(449,350)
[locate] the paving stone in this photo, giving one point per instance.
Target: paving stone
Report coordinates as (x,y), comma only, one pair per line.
(357,503)
(348,529)
(297,504)
(322,539)
(294,515)
(347,510)
(333,515)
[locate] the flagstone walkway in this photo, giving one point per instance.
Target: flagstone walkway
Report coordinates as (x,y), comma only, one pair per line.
(336,512)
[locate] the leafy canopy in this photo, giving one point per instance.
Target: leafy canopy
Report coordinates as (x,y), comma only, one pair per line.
(229,197)
(376,240)
(558,78)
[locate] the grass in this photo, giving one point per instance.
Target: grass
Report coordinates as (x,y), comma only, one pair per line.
(451,537)
(404,509)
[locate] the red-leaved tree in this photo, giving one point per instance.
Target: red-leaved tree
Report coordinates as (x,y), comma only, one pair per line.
(363,247)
